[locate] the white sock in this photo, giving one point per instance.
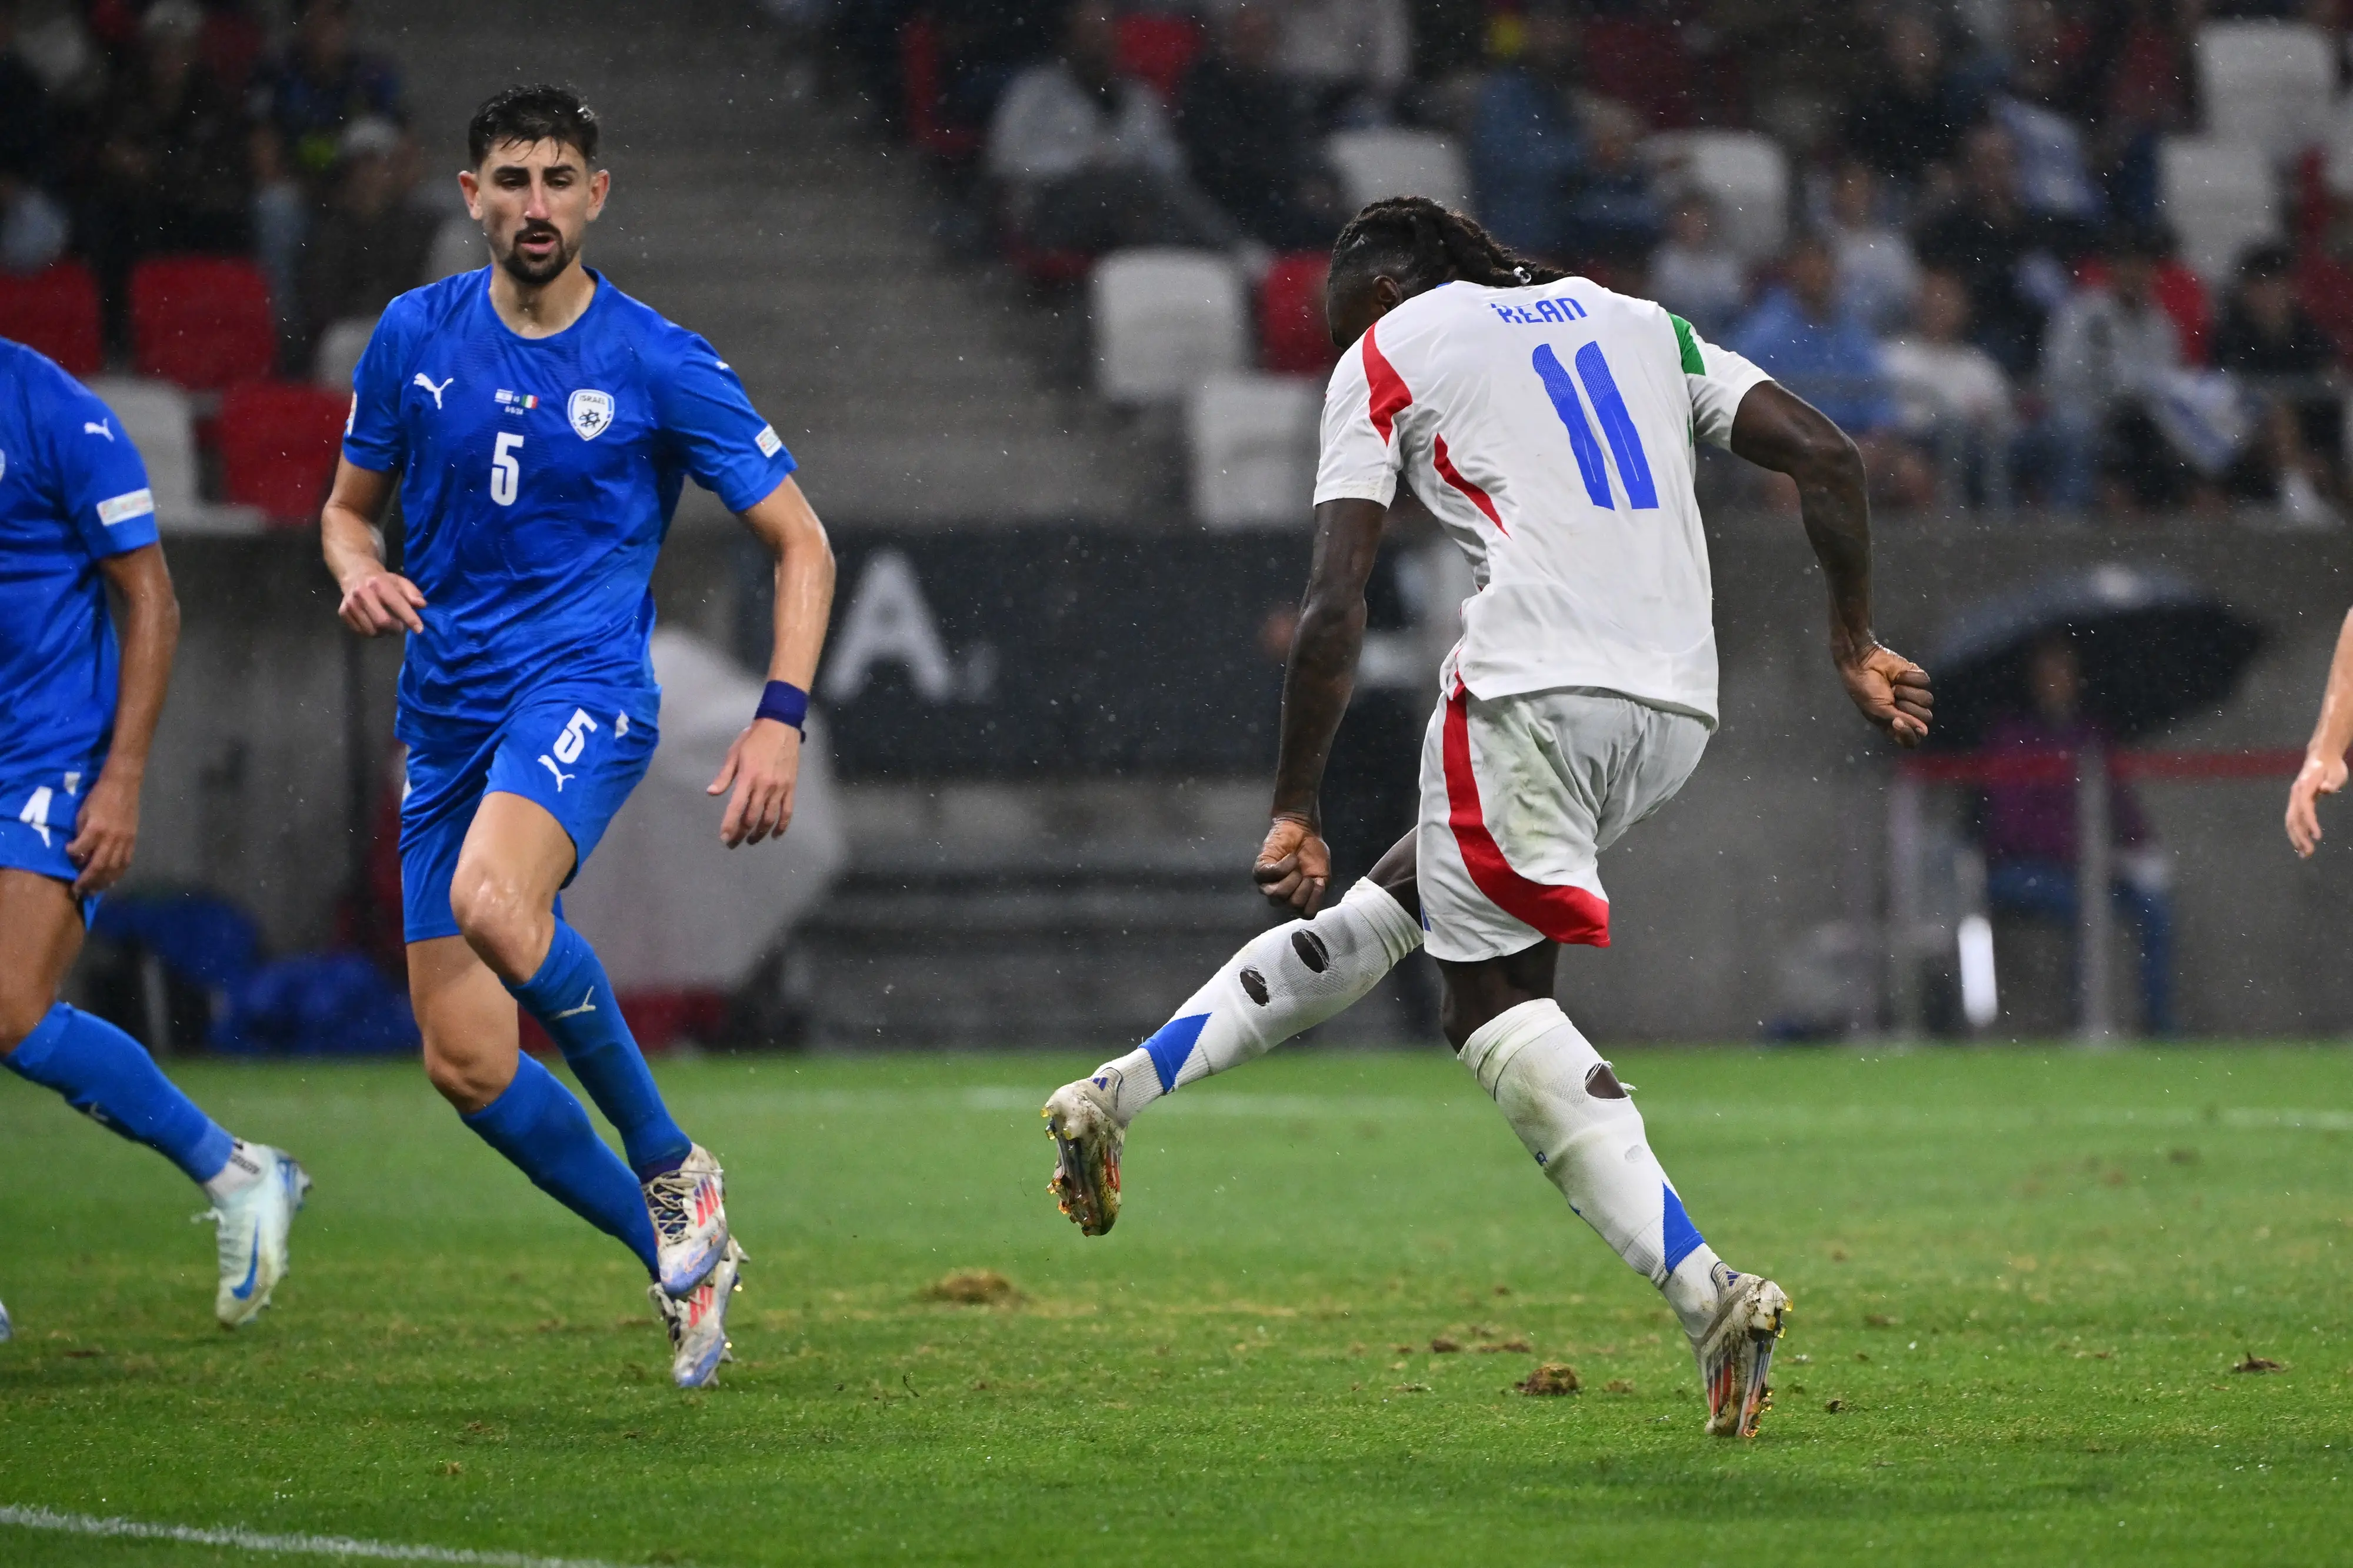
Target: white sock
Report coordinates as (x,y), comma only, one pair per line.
(1537,1067)
(244,1169)
(1283,981)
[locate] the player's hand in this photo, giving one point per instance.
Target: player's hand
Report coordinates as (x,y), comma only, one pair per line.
(764,764)
(381,601)
(105,833)
(1294,867)
(1892,691)
(2318,776)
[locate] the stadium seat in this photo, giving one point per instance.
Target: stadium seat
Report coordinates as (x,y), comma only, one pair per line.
(1165,322)
(1388,162)
(155,417)
(2219,198)
(1292,338)
(1642,62)
(202,322)
(1743,172)
(1253,440)
(922,93)
(55,311)
(1159,48)
(278,444)
(457,247)
(338,353)
(2266,85)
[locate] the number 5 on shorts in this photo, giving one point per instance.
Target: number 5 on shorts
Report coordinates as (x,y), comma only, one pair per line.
(575,735)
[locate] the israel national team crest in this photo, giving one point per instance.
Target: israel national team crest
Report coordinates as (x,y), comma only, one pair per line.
(590,412)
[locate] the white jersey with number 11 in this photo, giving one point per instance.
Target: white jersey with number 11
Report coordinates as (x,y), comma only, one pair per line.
(1552,429)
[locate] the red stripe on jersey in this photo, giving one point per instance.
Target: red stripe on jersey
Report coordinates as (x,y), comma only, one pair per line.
(1564,914)
(1453,476)
(1390,393)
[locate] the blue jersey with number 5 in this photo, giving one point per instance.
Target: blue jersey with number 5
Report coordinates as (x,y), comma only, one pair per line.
(537,479)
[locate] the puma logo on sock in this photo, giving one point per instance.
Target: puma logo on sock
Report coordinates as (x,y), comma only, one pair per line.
(587,1005)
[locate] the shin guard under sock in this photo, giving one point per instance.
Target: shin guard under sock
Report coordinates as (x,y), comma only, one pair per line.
(1283,980)
(574,1003)
(110,1077)
(537,1124)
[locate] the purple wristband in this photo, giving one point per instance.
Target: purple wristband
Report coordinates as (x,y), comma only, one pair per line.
(784,702)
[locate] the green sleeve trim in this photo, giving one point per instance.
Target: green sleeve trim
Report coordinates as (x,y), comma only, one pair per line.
(1688,340)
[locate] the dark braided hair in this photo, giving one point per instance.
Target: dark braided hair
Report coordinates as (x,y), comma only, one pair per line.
(1421,245)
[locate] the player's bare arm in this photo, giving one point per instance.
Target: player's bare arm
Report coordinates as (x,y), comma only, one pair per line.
(375,600)
(1294,867)
(107,829)
(1777,430)
(2324,756)
(764,764)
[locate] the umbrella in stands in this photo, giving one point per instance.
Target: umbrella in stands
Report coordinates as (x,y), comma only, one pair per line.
(2153,647)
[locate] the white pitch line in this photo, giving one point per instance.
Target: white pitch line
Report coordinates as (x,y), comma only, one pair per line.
(256,1541)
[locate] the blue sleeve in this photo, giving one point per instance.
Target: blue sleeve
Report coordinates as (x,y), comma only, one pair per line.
(373,439)
(99,476)
(728,447)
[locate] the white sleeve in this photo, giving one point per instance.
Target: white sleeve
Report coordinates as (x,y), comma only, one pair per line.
(1358,463)
(1718,380)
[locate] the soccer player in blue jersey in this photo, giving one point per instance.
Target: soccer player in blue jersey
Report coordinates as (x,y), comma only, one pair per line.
(75,516)
(540,423)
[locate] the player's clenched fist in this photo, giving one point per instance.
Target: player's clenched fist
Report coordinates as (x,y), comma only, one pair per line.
(379,600)
(764,764)
(1294,867)
(1892,691)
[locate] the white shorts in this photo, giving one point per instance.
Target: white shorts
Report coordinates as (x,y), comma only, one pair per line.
(1519,797)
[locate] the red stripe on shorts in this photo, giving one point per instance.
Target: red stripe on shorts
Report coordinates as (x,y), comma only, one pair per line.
(1564,914)
(1390,393)
(1453,476)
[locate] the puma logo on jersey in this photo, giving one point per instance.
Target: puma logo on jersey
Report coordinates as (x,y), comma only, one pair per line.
(587,1005)
(427,382)
(96,428)
(562,778)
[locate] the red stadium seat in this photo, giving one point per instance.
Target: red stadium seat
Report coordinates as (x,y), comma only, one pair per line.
(1641,63)
(1158,48)
(203,321)
(278,442)
(55,311)
(920,81)
(1292,339)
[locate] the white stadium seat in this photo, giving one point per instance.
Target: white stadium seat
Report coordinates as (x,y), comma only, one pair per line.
(1165,322)
(2219,197)
(458,246)
(1388,162)
(156,416)
(1744,173)
(2266,84)
(338,353)
(1253,443)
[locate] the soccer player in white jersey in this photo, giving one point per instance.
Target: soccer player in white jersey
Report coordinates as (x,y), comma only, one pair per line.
(1552,426)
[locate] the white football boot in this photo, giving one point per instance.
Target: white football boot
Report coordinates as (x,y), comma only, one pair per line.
(1736,1353)
(697,1321)
(254,1222)
(689,1206)
(1087,1141)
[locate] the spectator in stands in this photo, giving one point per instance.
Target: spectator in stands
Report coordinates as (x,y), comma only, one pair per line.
(1250,139)
(1695,275)
(1528,141)
(1954,401)
(33,228)
(2000,250)
(2054,177)
(1909,120)
(371,239)
(1877,272)
(2130,78)
(2028,830)
(1086,155)
(174,162)
(2289,368)
(2112,347)
(1614,218)
(1354,55)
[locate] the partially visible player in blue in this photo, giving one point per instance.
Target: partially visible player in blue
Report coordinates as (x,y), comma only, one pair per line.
(76,719)
(540,424)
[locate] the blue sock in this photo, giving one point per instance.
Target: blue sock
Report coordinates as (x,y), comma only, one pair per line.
(108,1077)
(538,1125)
(574,1002)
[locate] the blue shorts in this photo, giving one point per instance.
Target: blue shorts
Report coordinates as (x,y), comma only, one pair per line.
(38,812)
(578,756)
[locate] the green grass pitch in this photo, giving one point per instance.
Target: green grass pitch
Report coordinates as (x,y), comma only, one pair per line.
(2023,1280)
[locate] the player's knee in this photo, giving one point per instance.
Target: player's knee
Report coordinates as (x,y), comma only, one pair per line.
(466,1082)
(497,918)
